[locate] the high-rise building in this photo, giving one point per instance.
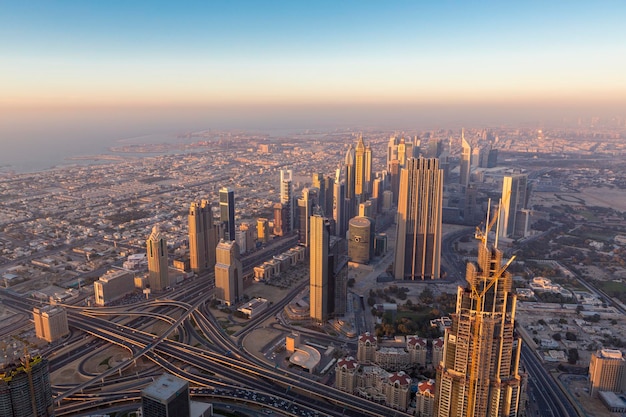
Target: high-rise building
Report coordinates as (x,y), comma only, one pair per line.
(514,196)
(202,237)
(50,322)
(227,212)
(157,260)
(607,371)
(392,151)
(306,204)
(319,182)
(263,230)
(168,396)
(418,240)
(479,374)
(228,273)
(339,211)
(367,181)
(394,173)
(25,388)
(350,173)
(287,199)
(113,285)
(361,241)
(465,164)
(360,163)
(319,291)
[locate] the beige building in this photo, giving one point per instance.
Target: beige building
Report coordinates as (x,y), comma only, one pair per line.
(417,347)
(202,237)
(398,391)
(425,398)
(228,273)
(50,323)
(263,230)
(113,285)
(346,373)
(157,260)
(437,352)
(318,266)
(392,358)
(607,371)
(366,348)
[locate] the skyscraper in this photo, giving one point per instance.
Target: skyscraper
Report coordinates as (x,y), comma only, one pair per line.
(479,373)
(418,240)
(25,388)
(319,291)
(514,196)
(359,169)
(168,396)
(466,159)
(286,198)
(228,273)
(306,205)
(350,172)
(157,260)
(339,211)
(392,151)
(227,212)
(607,371)
(202,237)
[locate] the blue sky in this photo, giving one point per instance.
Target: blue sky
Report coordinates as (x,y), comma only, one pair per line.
(120,53)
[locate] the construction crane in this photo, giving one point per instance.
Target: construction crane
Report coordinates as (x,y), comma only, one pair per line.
(479,298)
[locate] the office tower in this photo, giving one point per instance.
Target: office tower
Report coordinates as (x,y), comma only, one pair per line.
(435,148)
(228,273)
(392,151)
(607,371)
(465,164)
(25,388)
(227,212)
(280,219)
(286,198)
(367,181)
(263,230)
(50,323)
(337,274)
(318,267)
(492,158)
(168,396)
(328,191)
(479,374)
(339,211)
(361,166)
(418,240)
(394,173)
(157,260)
(202,237)
(113,285)
(319,182)
(346,372)
(402,153)
(367,209)
(361,241)
(305,205)
(514,195)
(350,173)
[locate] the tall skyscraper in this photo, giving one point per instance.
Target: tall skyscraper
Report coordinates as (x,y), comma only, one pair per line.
(479,373)
(287,199)
(319,291)
(202,237)
(361,242)
(157,260)
(607,371)
(280,219)
(359,170)
(227,212)
(306,205)
(25,388)
(418,240)
(339,211)
(228,273)
(319,182)
(392,151)
(168,396)
(367,171)
(350,173)
(514,196)
(466,159)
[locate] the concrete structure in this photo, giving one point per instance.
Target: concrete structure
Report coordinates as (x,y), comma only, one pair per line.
(50,322)
(228,273)
(366,348)
(168,396)
(254,307)
(479,374)
(202,237)
(25,389)
(418,239)
(287,199)
(425,398)
(465,163)
(318,266)
(514,198)
(346,372)
(398,391)
(157,260)
(607,371)
(227,212)
(113,285)
(361,240)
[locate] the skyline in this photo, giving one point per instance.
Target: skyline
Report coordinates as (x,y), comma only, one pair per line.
(68,55)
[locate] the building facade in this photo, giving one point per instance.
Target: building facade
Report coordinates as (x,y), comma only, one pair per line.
(227,212)
(418,240)
(50,322)
(168,396)
(25,388)
(113,285)
(318,265)
(607,372)
(157,260)
(228,273)
(202,237)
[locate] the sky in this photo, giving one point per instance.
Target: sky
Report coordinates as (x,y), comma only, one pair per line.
(327,58)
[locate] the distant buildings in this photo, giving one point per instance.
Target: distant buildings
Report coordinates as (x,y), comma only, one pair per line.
(25,389)
(50,322)
(418,240)
(227,212)
(607,372)
(228,273)
(157,260)
(287,200)
(513,222)
(202,237)
(466,162)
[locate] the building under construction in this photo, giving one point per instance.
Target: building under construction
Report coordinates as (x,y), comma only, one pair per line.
(25,389)
(479,374)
